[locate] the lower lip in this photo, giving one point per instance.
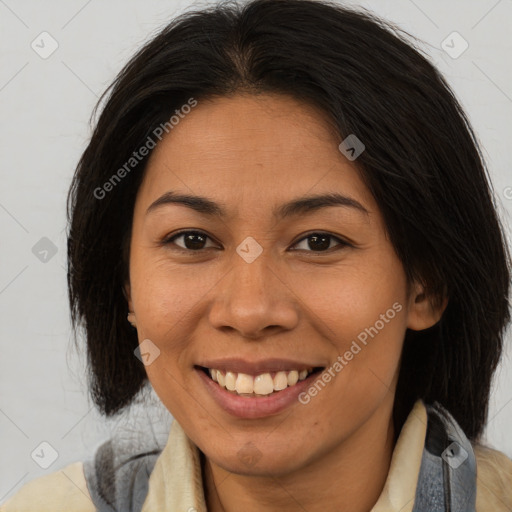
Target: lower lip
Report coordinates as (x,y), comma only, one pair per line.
(257,407)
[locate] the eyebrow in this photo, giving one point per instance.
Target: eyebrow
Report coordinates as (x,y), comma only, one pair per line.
(301,205)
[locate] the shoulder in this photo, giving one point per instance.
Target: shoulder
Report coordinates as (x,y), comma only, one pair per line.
(494,479)
(115,478)
(61,491)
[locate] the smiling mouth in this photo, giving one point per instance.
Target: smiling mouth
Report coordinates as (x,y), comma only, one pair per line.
(261,385)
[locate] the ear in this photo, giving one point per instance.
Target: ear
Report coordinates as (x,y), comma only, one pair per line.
(423,313)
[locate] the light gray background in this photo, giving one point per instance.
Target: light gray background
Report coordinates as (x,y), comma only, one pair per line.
(45,108)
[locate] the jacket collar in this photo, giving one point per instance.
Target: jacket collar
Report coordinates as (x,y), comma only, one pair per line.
(176,480)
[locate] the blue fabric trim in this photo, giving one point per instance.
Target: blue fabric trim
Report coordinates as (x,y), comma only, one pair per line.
(447,478)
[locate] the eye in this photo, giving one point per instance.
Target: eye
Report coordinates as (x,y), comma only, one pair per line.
(321,242)
(316,242)
(192,240)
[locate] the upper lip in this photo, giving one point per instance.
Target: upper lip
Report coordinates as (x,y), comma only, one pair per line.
(238,365)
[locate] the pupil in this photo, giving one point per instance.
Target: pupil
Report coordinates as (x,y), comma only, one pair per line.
(314,239)
(189,241)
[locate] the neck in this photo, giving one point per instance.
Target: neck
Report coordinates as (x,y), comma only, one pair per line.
(348,477)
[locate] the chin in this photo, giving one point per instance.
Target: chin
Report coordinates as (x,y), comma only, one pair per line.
(250,461)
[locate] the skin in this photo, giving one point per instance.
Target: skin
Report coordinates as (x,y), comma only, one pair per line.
(250,154)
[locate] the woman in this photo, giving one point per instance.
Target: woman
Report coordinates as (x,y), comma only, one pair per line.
(284,224)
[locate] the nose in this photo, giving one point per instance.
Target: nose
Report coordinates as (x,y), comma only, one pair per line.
(253,300)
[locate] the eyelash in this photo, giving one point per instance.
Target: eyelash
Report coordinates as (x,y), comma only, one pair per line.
(341,245)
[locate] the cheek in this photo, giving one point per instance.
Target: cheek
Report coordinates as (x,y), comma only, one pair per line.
(361,310)
(164,300)
(352,298)
(166,295)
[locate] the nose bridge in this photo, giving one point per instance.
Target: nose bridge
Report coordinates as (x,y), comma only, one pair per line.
(253,297)
(252,279)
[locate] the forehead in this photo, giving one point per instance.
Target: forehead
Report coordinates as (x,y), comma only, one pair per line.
(256,148)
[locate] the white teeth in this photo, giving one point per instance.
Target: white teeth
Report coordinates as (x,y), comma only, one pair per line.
(293,377)
(262,384)
(280,381)
(244,384)
(231,381)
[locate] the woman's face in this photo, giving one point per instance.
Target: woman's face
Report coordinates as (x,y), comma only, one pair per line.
(266,291)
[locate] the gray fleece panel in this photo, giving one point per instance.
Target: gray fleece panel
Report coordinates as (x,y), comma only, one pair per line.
(118,475)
